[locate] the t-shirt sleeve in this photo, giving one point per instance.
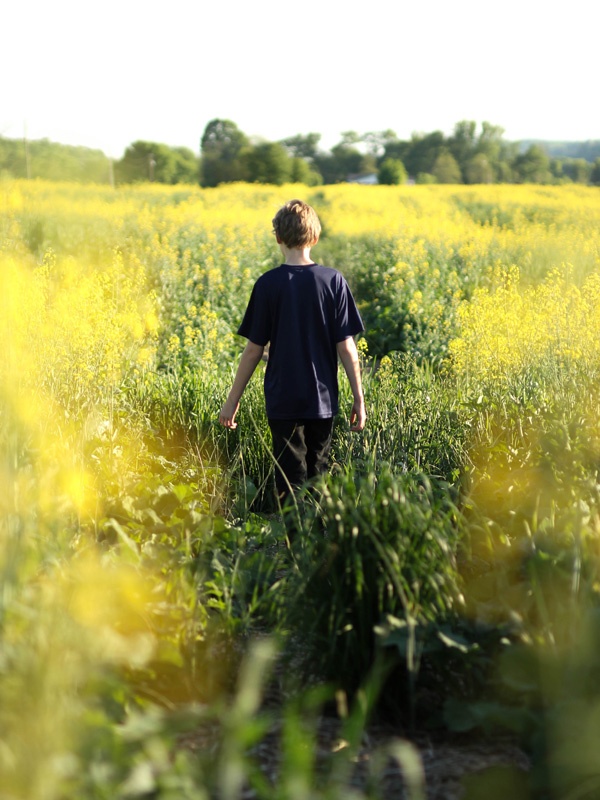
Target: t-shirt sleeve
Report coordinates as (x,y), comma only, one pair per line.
(348,319)
(256,324)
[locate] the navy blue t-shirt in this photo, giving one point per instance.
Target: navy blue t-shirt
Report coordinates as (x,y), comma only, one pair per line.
(303,312)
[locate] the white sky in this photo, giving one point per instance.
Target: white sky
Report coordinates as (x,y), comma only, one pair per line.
(106,74)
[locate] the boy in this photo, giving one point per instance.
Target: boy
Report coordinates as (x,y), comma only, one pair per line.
(307,315)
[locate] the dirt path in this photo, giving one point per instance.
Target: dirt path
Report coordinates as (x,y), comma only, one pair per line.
(447,766)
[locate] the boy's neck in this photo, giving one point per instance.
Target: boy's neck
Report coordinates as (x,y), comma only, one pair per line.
(296,256)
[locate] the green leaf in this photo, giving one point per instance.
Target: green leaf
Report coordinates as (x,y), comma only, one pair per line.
(460,716)
(125,539)
(455,641)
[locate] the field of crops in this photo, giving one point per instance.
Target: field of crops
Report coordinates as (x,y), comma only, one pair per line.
(145,587)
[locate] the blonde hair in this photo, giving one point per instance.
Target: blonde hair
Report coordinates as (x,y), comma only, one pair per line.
(297,224)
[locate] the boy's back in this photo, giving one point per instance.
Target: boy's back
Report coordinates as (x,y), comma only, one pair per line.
(303,311)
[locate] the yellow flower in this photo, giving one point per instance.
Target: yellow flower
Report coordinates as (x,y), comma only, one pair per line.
(174,343)
(362,347)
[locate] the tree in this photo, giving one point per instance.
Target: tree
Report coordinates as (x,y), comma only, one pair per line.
(302,172)
(377,141)
(463,142)
(302,146)
(186,165)
(146,161)
(504,171)
(446,169)
(425,178)
(595,173)
(532,166)
(350,137)
(348,159)
(490,142)
(343,160)
(396,149)
(154,162)
(303,151)
(577,169)
(222,145)
(478,169)
(423,151)
(392,172)
(268,162)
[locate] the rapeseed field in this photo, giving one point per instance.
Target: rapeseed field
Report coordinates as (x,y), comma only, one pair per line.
(141,553)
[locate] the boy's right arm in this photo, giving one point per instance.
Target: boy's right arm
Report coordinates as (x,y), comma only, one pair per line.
(248,362)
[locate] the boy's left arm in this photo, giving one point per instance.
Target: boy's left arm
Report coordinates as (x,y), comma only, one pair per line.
(349,357)
(248,362)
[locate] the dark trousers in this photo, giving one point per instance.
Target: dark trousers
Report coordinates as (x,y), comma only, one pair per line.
(301,449)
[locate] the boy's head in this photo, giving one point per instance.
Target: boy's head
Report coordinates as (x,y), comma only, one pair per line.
(297,225)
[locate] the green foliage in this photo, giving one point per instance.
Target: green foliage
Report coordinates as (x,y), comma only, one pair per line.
(376,141)
(482,158)
(303,172)
(478,169)
(374,545)
(268,162)
(407,296)
(576,169)
(343,160)
(595,173)
(222,147)
(438,668)
(421,153)
(530,567)
(532,166)
(416,422)
(538,432)
(463,142)
(52,161)
(588,149)
(446,169)
(150,161)
(392,172)
(201,306)
(302,146)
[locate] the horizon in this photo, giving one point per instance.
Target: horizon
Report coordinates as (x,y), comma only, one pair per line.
(197,152)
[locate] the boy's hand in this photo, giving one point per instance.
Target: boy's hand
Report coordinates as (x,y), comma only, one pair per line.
(227,415)
(358,416)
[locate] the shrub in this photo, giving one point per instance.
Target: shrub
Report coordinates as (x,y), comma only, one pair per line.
(392,172)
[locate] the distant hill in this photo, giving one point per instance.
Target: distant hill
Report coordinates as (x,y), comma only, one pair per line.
(589,150)
(42,158)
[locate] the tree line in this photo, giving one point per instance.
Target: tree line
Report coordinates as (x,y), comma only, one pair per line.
(471,154)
